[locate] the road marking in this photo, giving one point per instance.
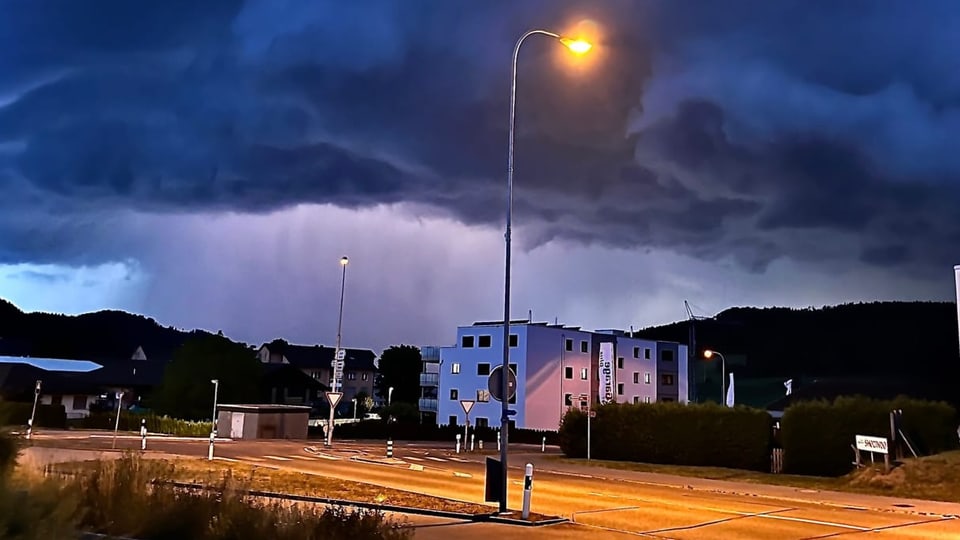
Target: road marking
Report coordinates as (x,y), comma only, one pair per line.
(462,474)
(413,458)
(810,521)
(415,467)
(574,515)
(248,458)
(331,458)
(226,459)
(304,458)
(459,459)
(437,459)
(278,458)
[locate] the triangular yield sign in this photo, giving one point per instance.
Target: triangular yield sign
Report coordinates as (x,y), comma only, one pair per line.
(334,398)
(467,405)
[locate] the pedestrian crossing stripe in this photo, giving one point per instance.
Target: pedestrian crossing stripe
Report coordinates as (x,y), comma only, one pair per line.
(278,458)
(436,459)
(458,459)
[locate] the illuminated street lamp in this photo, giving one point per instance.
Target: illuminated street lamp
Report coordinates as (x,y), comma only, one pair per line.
(213,418)
(33,413)
(338,356)
(723,373)
(577,46)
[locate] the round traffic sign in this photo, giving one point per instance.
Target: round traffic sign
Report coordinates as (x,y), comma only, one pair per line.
(495,384)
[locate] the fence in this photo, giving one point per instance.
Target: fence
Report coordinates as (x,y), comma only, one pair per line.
(776,461)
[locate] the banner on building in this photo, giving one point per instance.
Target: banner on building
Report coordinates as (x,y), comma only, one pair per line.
(606,373)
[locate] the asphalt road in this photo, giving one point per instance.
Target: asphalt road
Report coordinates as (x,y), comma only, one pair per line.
(600,502)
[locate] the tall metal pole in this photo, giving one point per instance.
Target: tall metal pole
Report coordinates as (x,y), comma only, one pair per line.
(33,413)
(589,402)
(504,417)
(213,417)
(116,425)
(336,355)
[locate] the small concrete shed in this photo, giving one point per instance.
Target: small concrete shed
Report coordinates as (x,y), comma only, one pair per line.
(262,421)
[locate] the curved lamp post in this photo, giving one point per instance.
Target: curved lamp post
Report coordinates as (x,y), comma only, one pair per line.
(708,354)
(336,356)
(577,46)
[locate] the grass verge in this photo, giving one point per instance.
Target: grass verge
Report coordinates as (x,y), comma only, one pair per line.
(935,478)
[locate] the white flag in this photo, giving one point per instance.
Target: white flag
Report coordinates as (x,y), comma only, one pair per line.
(789,385)
(730,392)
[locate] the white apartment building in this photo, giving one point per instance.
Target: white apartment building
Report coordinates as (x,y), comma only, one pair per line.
(557,367)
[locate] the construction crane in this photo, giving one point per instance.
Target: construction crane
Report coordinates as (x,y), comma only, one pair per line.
(692,349)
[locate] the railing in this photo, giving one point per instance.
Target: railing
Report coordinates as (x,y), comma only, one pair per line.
(429,405)
(430,354)
(431,368)
(429,379)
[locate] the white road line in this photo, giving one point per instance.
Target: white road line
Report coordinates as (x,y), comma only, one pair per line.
(248,458)
(304,458)
(437,459)
(331,458)
(226,459)
(411,458)
(810,521)
(278,458)
(460,460)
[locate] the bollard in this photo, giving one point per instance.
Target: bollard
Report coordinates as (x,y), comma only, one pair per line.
(389,448)
(543,445)
(472,437)
(458,443)
(30,428)
(210,451)
(498,441)
(481,444)
(143,434)
(527,490)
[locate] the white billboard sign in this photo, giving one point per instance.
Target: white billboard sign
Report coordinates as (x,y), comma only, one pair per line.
(606,373)
(872,444)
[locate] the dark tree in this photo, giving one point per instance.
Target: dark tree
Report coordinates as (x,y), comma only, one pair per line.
(187,391)
(400,367)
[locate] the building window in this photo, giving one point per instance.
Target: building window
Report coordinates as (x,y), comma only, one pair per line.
(636,377)
(454,395)
(619,389)
(351,376)
(79,403)
(513,368)
(620,363)
(454,368)
(646,378)
(483,369)
(364,376)
(514,340)
(666,379)
(483,342)
(666,356)
(568,372)
(466,342)
(584,347)
(636,352)
(568,400)
(451,421)
(481,422)
(483,396)
(568,345)
(583,373)
(646,354)
(646,399)
(636,400)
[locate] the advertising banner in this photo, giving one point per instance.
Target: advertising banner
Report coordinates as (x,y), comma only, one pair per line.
(606,373)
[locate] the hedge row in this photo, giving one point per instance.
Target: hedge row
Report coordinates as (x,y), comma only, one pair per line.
(155,424)
(411,431)
(672,433)
(16,413)
(818,435)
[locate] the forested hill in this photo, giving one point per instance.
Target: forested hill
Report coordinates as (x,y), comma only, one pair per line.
(103,336)
(879,339)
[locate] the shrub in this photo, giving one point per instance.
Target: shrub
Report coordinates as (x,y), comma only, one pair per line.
(9,449)
(818,435)
(672,433)
(17,413)
(155,424)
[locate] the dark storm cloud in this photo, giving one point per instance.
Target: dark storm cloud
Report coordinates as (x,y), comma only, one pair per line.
(755,130)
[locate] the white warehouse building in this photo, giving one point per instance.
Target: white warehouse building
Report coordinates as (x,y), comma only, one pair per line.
(557,367)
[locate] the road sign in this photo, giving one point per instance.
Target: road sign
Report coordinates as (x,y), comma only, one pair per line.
(467,405)
(341,354)
(334,398)
(495,383)
(593,414)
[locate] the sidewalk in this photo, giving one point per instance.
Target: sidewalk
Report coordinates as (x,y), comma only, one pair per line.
(785,493)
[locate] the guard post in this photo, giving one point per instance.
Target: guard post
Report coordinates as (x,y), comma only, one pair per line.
(527,490)
(143,434)
(210,450)
(390,447)
(458,443)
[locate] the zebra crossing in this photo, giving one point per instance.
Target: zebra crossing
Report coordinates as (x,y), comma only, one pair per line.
(320,456)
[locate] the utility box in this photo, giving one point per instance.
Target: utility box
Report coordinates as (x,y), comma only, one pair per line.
(494,481)
(263,421)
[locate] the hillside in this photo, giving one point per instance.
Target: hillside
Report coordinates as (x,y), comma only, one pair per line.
(899,340)
(103,336)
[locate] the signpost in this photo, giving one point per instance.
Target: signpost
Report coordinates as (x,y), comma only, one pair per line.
(495,384)
(334,399)
(467,405)
(874,445)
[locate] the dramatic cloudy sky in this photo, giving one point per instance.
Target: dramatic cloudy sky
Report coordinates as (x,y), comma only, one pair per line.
(207,163)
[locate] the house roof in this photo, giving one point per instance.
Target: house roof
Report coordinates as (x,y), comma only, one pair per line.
(132,373)
(18,380)
(52,364)
(319,356)
(272,372)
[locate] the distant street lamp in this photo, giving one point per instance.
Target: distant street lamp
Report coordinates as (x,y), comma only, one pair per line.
(36,396)
(578,46)
(723,373)
(354,400)
(337,356)
(213,418)
(116,425)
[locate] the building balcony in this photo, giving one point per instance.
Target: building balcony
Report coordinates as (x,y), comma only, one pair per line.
(429,379)
(429,405)
(430,354)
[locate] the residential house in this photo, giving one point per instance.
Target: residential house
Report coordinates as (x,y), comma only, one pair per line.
(359,370)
